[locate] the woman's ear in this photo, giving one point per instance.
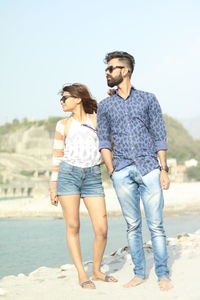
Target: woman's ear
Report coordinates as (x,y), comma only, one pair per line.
(78,100)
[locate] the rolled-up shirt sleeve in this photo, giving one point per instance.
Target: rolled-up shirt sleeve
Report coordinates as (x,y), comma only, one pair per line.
(103,128)
(157,125)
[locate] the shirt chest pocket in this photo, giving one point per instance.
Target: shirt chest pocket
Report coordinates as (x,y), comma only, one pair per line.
(140,121)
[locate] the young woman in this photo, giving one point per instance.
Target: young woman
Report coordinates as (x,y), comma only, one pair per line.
(76,174)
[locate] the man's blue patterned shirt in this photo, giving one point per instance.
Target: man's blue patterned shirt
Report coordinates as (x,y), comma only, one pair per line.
(135,126)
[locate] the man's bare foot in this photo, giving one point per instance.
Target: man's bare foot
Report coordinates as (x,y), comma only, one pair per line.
(103,277)
(134,282)
(165,284)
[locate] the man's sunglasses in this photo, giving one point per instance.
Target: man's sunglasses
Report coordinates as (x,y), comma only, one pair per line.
(110,69)
(64,98)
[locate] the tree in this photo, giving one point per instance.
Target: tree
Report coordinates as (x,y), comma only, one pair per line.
(15,122)
(193,173)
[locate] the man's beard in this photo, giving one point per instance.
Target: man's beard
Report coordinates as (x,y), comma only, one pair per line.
(111,82)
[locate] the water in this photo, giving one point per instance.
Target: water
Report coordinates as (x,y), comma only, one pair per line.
(27,244)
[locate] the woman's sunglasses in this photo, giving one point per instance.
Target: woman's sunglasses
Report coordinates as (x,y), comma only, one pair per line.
(110,69)
(64,98)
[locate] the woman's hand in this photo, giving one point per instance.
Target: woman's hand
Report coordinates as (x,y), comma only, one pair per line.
(164,180)
(54,198)
(110,171)
(53,193)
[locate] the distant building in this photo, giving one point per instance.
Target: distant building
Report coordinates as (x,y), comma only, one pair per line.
(172,162)
(191,163)
(180,173)
(176,172)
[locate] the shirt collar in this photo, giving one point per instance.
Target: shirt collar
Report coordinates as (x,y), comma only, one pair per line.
(131,91)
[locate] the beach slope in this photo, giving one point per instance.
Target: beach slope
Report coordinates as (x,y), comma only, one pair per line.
(61,283)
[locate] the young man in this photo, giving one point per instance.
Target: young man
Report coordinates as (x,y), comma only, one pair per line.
(132,120)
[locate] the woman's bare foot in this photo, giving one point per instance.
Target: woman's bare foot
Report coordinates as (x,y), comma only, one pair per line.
(103,277)
(85,282)
(88,285)
(134,282)
(165,284)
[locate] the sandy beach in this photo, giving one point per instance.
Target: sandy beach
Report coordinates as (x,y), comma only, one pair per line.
(181,198)
(61,283)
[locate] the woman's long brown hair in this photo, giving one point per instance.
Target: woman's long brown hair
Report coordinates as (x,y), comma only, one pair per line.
(81,91)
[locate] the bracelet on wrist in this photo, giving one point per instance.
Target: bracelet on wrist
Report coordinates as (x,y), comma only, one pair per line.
(164,168)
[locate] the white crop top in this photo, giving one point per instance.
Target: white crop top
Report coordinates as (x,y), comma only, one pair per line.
(82,145)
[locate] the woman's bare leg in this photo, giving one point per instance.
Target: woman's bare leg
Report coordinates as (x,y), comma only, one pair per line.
(97,211)
(70,207)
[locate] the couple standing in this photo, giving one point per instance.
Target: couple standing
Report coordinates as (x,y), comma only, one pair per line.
(132,121)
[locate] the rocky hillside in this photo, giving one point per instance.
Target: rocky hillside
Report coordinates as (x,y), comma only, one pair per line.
(25,149)
(26,146)
(181,145)
(32,138)
(193,126)
(33,141)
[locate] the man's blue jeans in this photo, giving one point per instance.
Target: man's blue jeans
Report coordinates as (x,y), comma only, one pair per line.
(130,186)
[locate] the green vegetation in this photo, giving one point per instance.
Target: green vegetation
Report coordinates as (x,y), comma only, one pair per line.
(26,173)
(193,173)
(104,173)
(49,124)
(180,144)
(4,182)
(1,179)
(15,125)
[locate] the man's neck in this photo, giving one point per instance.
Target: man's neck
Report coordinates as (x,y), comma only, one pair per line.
(124,89)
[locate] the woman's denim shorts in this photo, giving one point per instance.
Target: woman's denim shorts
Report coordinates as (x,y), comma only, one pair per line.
(85,182)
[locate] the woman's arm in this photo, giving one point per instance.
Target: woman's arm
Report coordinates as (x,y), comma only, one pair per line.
(58,153)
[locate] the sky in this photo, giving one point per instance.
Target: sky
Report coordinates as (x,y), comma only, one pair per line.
(47,43)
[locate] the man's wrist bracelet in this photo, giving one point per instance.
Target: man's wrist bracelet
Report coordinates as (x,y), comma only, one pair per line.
(164,168)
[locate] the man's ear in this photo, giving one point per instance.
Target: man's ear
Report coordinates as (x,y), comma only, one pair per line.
(125,71)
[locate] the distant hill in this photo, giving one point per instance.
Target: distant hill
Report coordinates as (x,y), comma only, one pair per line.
(16,125)
(181,145)
(34,138)
(25,147)
(193,126)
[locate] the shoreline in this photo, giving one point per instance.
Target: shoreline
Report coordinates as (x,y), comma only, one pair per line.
(181,198)
(113,214)
(53,283)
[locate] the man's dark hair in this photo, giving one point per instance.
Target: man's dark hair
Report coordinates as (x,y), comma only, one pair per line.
(125,57)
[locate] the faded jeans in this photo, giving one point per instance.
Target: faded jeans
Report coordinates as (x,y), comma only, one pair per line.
(130,186)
